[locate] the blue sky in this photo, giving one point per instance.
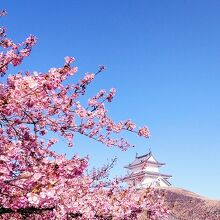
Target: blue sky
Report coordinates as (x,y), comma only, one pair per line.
(163,57)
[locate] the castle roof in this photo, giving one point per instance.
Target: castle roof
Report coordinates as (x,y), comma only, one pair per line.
(146,158)
(147,173)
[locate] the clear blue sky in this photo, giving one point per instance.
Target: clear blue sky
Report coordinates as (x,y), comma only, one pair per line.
(163,57)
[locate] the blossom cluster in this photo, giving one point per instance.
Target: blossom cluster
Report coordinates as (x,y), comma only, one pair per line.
(13,53)
(35,181)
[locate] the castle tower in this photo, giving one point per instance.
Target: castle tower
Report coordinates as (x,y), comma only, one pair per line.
(144,172)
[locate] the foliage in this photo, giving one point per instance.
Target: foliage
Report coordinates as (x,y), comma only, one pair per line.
(36,182)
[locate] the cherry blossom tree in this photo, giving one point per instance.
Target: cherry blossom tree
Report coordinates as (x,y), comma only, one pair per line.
(35,181)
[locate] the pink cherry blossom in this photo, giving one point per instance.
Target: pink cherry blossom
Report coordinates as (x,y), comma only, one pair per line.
(111,94)
(31,40)
(69,60)
(144,132)
(33,198)
(37,111)
(88,78)
(129,125)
